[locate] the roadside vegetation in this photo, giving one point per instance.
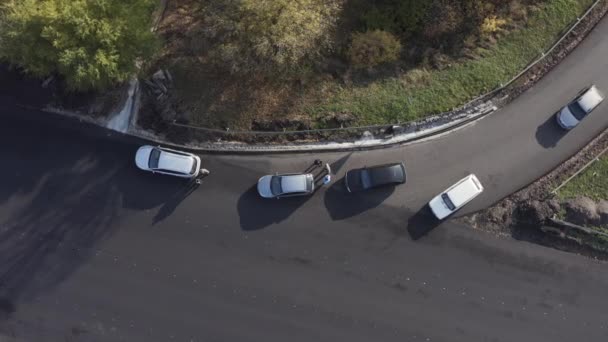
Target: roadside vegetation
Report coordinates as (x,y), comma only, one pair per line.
(282,64)
(92,45)
(355,62)
(592,183)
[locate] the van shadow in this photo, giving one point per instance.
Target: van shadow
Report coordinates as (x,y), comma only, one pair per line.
(341,204)
(548,134)
(257,213)
(422,223)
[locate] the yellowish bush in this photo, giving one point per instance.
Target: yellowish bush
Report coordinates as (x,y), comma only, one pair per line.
(492,24)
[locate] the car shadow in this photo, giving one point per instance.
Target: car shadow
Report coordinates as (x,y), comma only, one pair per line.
(422,223)
(342,204)
(257,213)
(168,207)
(549,133)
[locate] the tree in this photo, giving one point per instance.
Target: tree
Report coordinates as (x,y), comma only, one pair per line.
(92,43)
(276,34)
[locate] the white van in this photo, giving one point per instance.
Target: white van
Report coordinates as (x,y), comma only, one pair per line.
(455,197)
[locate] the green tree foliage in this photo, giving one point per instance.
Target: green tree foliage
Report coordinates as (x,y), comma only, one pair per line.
(372,48)
(275,34)
(92,43)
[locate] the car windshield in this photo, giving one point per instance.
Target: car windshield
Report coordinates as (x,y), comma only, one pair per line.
(275,185)
(366,180)
(576,110)
(154,157)
(448,202)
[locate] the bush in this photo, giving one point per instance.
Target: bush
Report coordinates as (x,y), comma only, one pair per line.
(492,24)
(92,44)
(277,34)
(372,48)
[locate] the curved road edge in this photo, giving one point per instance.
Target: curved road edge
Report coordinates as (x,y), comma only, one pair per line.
(434,126)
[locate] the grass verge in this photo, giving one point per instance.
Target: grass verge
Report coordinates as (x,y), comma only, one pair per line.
(421,92)
(592,182)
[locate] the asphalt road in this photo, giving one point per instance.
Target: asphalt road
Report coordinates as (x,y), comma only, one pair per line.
(94,250)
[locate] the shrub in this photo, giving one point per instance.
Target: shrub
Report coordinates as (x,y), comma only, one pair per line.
(277,34)
(372,48)
(93,44)
(492,24)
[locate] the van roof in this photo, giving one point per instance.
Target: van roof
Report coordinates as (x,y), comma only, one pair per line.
(464,190)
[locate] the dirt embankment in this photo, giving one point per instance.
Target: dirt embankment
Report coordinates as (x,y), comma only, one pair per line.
(523,214)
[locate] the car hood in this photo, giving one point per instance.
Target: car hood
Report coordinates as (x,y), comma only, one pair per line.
(566,119)
(264,187)
(142,156)
(439,208)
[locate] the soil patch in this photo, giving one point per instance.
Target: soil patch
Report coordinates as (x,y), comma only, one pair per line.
(523,214)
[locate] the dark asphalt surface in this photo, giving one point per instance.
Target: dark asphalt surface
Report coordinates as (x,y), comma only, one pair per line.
(94,250)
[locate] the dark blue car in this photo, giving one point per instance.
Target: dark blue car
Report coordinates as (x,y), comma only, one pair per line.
(375,176)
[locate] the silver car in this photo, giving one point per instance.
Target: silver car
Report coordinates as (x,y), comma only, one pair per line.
(286,185)
(572,114)
(167,161)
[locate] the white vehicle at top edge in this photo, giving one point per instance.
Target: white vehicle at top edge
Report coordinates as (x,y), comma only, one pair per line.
(573,113)
(456,196)
(167,161)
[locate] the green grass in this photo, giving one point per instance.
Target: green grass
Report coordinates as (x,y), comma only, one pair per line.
(442,90)
(592,183)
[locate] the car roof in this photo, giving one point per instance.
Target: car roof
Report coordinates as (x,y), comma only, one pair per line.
(387,173)
(590,99)
(175,162)
(464,190)
(293,183)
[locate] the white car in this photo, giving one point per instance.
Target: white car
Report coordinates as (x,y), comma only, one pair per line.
(455,197)
(167,161)
(570,116)
(286,185)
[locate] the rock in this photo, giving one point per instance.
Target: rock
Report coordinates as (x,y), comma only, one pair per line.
(367,135)
(602,211)
(581,210)
(394,130)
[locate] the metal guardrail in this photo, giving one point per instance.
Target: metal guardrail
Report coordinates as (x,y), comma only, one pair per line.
(358,130)
(585,167)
